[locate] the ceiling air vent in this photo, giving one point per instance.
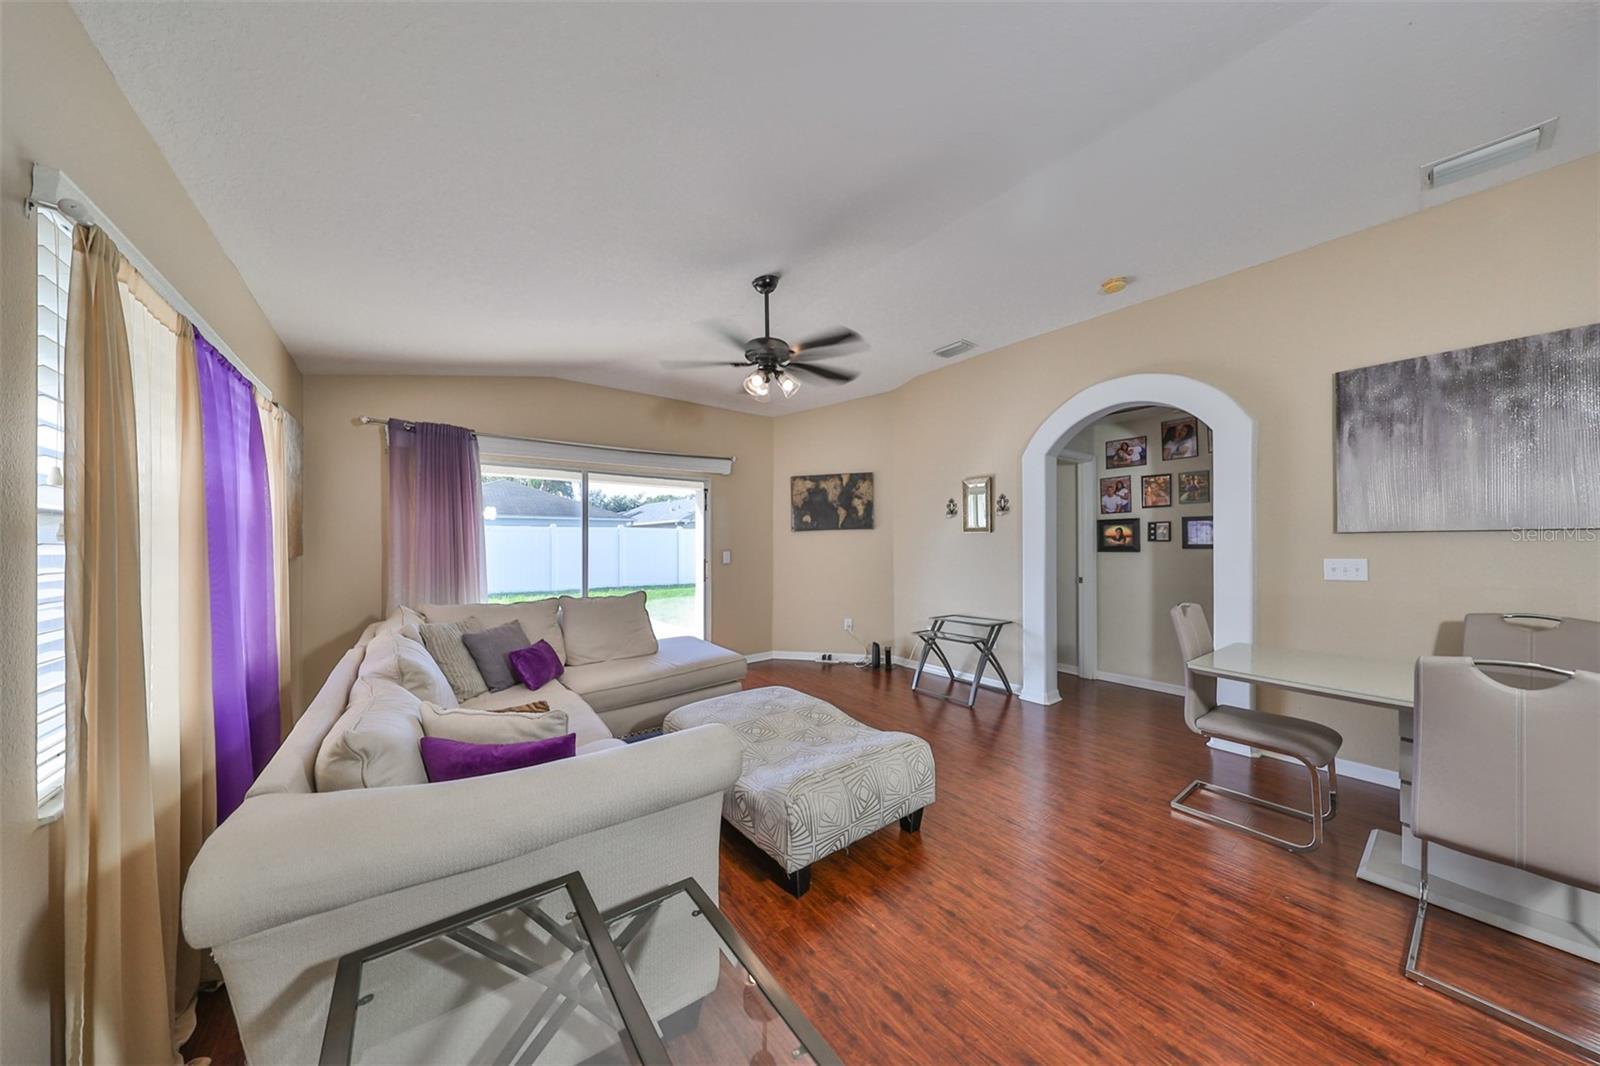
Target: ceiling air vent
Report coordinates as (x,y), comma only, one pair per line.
(953,349)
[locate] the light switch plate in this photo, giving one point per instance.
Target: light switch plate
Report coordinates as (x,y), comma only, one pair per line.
(727,556)
(1344,569)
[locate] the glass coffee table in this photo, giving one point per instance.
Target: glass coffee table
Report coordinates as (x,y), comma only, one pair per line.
(542,976)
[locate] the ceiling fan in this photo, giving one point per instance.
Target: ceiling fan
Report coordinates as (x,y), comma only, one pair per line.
(774,362)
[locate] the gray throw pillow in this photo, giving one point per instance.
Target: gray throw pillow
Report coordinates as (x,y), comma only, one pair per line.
(489,648)
(443,641)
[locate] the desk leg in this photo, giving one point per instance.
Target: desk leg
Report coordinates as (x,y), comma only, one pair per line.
(927,646)
(1004,680)
(977,676)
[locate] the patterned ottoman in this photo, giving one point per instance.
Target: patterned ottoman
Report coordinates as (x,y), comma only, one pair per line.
(814,780)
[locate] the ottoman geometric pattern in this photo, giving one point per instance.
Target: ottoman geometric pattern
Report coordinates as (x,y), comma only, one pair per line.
(814,780)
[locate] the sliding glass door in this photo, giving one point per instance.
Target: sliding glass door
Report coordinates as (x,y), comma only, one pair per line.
(648,534)
(551,532)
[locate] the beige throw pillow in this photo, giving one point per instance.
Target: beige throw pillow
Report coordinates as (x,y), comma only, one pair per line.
(403,660)
(538,618)
(375,742)
(600,628)
(443,641)
(476,726)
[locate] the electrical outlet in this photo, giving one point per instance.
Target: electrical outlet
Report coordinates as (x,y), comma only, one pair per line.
(849,625)
(1344,569)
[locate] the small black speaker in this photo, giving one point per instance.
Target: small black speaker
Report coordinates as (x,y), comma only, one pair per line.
(874,655)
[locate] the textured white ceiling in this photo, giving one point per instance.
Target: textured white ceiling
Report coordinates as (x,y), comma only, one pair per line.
(570,190)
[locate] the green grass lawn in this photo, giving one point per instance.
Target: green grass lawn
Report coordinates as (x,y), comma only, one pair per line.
(671,607)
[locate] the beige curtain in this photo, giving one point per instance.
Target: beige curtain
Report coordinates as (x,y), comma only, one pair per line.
(139,793)
(274,438)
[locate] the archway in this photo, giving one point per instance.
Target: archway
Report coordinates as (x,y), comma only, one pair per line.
(1232,505)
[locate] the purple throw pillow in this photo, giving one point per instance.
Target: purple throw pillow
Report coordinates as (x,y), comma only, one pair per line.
(452,760)
(536,666)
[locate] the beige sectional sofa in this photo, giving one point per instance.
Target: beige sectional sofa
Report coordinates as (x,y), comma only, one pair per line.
(298,876)
(627,693)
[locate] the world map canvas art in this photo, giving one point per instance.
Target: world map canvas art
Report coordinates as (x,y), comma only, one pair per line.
(830,501)
(1498,436)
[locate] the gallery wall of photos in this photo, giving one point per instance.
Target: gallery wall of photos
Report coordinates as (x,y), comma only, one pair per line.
(1157,491)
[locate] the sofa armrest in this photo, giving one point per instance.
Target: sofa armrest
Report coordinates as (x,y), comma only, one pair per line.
(282,857)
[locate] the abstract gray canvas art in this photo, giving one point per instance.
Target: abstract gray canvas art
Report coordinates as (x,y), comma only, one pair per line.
(1500,436)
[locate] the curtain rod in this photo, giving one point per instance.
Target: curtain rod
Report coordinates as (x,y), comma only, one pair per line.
(369,420)
(59,193)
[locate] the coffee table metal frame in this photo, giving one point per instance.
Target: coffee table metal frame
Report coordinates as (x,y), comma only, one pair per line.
(640,1038)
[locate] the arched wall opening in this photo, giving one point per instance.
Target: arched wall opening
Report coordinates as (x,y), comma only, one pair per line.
(1233,511)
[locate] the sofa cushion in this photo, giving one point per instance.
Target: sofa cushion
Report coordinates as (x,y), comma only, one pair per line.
(374,743)
(581,718)
(538,618)
(679,665)
(398,658)
(475,725)
(600,628)
(443,641)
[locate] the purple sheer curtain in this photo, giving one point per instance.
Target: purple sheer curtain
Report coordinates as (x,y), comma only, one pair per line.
(435,526)
(244,633)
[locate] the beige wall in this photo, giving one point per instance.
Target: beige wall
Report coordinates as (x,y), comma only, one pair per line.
(62,108)
(1519,259)
(1136,590)
(824,576)
(344,538)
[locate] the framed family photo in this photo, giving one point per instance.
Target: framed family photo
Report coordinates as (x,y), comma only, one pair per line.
(1197,531)
(1180,438)
(1127,451)
(1116,495)
(1156,490)
(1194,487)
(1118,535)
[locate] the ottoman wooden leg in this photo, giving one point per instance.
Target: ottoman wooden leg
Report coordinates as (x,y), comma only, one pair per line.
(799,881)
(912,822)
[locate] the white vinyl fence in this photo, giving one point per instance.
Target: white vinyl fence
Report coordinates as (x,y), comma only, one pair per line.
(527,558)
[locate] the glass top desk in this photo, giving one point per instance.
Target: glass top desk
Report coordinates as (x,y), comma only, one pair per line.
(976,631)
(1515,900)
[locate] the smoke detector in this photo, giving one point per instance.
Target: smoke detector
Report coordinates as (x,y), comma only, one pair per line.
(954,348)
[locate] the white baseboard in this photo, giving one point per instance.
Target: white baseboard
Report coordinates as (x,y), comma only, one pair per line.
(1356,771)
(847,658)
(1142,682)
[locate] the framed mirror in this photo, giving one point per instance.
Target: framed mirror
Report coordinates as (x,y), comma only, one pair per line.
(977,512)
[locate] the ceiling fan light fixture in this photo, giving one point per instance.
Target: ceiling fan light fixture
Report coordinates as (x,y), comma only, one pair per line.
(788,384)
(756,385)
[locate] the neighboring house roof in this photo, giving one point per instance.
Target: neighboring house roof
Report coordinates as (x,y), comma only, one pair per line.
(679,511)
(514,499)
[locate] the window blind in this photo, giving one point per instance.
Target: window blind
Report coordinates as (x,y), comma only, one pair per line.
(54,277)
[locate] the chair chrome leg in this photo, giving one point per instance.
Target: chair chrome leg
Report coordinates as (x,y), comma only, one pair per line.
(1563,1040)
(1315,816)
(1333,790)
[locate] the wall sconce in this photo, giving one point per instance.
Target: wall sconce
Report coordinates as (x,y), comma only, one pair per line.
(950,508)
(1002,503)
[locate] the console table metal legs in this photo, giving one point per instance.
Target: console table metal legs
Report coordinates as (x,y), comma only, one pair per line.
(976,632)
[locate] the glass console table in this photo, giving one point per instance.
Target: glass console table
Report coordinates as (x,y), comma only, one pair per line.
(542,976)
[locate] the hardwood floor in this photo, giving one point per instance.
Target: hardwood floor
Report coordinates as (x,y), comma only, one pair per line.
(1053,909)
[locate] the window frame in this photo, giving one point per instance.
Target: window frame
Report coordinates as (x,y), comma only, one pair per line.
(50,720)
(582,475)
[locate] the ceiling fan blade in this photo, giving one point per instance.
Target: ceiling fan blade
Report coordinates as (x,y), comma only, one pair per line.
(826,373)
(686,364)
(725,332)
(828,340)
